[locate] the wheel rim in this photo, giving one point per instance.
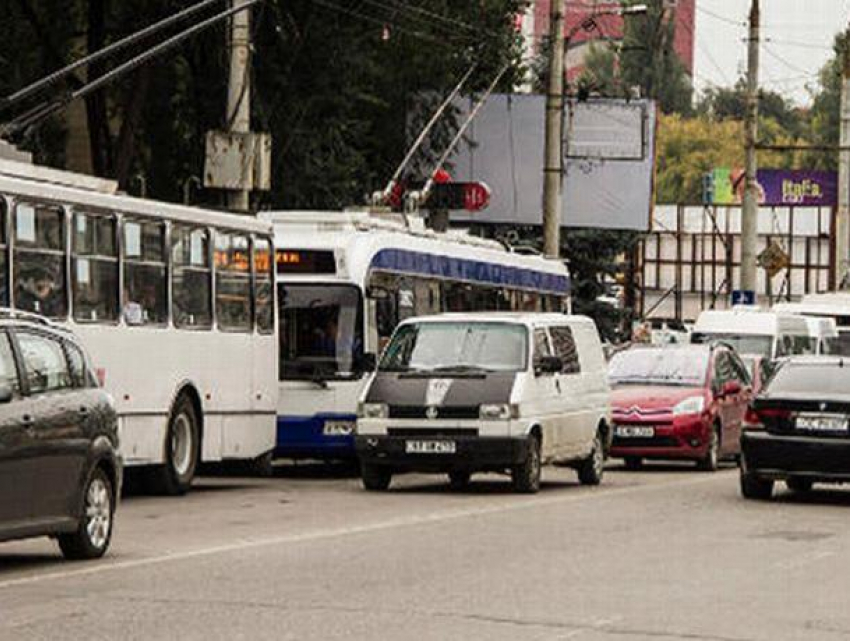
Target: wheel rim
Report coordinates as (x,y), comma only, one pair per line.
(181,444)
(535,463)
(98,513)
(598,456)
(712,451)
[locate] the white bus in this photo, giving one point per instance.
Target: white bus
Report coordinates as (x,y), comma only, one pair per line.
(175,305)
(346,279)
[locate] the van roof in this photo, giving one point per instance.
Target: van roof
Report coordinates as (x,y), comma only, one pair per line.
(524,318)
(749,321)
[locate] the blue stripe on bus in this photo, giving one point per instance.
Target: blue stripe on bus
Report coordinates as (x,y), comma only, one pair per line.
(303,436)
(402,260)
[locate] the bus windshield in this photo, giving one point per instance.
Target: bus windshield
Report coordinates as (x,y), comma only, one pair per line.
(457,347)
(321,331)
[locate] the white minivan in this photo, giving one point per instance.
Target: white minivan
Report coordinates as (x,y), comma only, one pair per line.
(752,331)
(487,392)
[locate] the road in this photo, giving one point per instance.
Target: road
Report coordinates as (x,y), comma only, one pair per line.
(665,553)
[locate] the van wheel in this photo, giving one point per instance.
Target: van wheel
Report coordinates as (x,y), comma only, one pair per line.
(755,487)
(94,531)
(591,469)
(182,446)
(526,475)
(711,460)
(633,463)
(459,480)
(376,478)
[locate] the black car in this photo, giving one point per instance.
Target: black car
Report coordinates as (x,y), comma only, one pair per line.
(60,471)
(797,427)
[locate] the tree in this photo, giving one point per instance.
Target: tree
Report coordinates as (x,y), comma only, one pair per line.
(825,112)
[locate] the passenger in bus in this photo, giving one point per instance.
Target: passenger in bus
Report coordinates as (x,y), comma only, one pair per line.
(37,292)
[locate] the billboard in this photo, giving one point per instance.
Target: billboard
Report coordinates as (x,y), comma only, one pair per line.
(609,153)
(778,187)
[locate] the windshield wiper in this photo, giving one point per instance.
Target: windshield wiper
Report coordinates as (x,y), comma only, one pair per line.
(461,369)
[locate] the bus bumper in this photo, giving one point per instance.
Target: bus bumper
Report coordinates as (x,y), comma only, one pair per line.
(321,436)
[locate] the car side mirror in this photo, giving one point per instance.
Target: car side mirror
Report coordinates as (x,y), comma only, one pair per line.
(368,362)
(6,393)
(548,365)
(730,388)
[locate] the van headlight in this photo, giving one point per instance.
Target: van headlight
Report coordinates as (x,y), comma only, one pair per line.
(497,412)
(692,405)
(373,410)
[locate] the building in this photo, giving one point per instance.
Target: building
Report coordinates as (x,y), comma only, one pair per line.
(535,29)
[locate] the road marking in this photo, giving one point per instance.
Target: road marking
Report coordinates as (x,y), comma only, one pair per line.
(318,535)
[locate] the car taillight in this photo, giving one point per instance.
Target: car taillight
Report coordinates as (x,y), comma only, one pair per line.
(755,419)
(752,421)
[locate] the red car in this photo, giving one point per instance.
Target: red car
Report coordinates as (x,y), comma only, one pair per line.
(678,402)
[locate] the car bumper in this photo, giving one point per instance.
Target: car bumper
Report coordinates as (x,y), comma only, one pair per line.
(307,437)
(779,457)
(685,440)
(471,454)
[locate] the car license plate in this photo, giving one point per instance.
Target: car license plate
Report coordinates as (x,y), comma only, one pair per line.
(822,423)
(430,447)
(338,428)
(634,431)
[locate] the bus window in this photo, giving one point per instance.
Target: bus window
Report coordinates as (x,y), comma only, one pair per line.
(39,265)
(263,288)
(190,280)
(145,301)
(94,268)
(233,282)
(4,262)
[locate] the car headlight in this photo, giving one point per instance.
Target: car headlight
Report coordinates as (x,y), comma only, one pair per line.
(497,412)
(373,410)
(692,405)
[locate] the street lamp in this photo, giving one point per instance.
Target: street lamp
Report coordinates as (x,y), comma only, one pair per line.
(553,170)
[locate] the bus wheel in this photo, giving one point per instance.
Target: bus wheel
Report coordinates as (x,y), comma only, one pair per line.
(181,450)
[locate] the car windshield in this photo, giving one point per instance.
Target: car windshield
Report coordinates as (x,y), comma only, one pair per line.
(760,344)
(457,347)
(664,366)
(827,379)
(321,333)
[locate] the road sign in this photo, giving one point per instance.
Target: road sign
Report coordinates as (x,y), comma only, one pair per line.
(471,196)
(773,259)
(743,297)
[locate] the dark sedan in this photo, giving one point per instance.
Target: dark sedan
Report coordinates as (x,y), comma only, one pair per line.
(60,472)
(797,429)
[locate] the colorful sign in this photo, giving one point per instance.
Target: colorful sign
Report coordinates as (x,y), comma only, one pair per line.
(778,187)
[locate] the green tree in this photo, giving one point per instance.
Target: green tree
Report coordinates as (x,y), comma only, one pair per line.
(825,111)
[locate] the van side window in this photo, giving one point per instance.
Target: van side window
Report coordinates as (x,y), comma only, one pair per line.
(565,348)
(541,344)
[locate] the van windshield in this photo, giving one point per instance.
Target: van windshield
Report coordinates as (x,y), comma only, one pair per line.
(756,344)
(457,348)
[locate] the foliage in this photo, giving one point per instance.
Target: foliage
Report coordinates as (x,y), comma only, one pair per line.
(825,112)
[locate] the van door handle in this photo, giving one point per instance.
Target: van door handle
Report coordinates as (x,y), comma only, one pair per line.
(83,410)
(27,421)
(558,385)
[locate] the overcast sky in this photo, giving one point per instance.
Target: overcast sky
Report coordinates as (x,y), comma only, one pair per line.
(797,39)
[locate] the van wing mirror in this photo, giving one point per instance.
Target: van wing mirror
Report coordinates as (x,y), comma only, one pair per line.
(6,393)
(548,365)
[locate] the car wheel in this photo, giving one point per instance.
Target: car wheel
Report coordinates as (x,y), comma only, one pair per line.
(711,459)
(526,476)
(591,469)
(182,446)
(755,487)
(94,531)
(459,480)
(797,484)
(633,463)
(375,478)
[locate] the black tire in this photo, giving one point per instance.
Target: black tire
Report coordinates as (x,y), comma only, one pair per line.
(711,460)
(633,463)
(459,480)
(94,531)
(526,476)
(799,484)
(754,487)
(591,469)
(375,478)
(262,466)
(175,476)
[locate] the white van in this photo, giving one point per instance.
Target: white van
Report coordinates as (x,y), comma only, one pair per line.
(826,315)
(487,392)
(754,331)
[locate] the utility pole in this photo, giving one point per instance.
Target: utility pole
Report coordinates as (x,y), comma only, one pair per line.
(750,210)
(553,172)
(842,220)
(239,91)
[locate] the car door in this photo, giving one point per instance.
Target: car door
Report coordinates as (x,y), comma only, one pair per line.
(17,470)
(57,412)
(739,402)
(726,403)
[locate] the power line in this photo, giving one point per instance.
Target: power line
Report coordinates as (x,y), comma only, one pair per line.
(769,51)
(706,52)
(436,16)
(796,43)
(717,16)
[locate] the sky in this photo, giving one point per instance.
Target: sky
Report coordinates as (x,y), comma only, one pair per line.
(797,37)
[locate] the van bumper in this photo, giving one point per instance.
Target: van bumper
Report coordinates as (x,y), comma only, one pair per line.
(471,454)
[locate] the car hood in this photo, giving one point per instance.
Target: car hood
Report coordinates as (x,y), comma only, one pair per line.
(651,397)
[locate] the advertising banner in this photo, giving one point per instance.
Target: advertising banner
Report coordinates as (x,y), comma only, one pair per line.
(778,187)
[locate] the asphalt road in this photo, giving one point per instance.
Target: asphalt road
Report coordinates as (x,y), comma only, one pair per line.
(666,553)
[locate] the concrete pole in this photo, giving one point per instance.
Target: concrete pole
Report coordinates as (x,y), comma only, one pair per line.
(749,214)
(842,220)
(239,92)
(553,168)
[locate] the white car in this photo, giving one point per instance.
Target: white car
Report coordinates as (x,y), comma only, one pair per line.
(487,392)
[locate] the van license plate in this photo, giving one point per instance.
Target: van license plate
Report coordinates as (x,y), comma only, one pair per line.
(430,447)
(822,423)
(634,431)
